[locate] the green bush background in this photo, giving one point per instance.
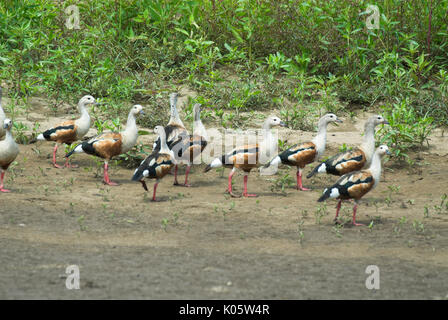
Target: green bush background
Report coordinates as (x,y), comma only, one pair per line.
(238,55)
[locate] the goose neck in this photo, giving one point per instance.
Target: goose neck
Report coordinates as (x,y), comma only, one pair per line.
(163,146)
(368,144)
(375,166)
(321,137)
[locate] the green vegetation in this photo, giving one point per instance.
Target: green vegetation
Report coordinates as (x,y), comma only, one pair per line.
(281,182)
(302,58)
(407,130)
(438,209)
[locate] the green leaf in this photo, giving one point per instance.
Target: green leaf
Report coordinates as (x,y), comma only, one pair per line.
(237,35)
(143,133)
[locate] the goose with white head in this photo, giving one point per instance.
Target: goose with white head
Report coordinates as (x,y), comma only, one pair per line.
(157,165)
(69,131)
(175,126)
(305,153)
(188,147)
(111,144)
(356,184)
(355,159)
(2,116)
(174,130)
(247,157)
(8,152)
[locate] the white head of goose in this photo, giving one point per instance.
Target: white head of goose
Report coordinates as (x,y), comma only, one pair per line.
(157,165)
(69,131)
(8,151)
(355,159)
(110,144)
(175,126)
(302,154)
(246,157)
(2,116)
(198,126)
(356,184)
(187,147)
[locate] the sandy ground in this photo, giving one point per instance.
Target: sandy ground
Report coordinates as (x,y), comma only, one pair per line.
(198,243)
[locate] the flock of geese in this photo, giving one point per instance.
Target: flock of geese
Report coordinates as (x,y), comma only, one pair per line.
(359,169)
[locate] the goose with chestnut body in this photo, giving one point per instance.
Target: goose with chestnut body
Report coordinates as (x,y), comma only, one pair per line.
(157,165)
(110,144)
(247,157)
(356,184)
(305,153)
(69,131)
(355,159)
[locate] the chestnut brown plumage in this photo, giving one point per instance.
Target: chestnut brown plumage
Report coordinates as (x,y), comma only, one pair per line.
(157,165)
(69,131)
(187,148)
(302,154)
(110,144)
(247,157)
(356,184)
(355,159)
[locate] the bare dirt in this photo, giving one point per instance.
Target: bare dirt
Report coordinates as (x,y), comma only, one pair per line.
(198,243)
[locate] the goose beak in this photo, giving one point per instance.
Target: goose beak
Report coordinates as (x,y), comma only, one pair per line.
(339,120)
(5,126)
(388,153)
(142,113)
(385,122)
(283,124)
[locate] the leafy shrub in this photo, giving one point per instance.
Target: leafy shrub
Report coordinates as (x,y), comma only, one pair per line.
(406,130)
(305,50)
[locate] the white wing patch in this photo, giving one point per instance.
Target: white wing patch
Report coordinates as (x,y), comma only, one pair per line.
(345,180)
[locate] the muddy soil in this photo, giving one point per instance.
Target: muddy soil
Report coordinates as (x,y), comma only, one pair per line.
(198,243)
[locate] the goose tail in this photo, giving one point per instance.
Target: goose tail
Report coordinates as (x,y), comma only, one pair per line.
(40,137)
(317,169)
(276,161)
(216,163)
(77,149)
(329,193)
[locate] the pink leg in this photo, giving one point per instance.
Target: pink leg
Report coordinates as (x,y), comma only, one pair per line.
(69,165)
(54,156)
(175,176)
(245,194)
(229,187)
(106,176)
(299,181)
(2,177)
(186,176)
(154,192)
(354,216)
(338,207)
